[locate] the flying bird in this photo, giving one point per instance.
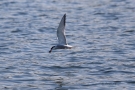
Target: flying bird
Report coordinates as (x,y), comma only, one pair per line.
(62,44)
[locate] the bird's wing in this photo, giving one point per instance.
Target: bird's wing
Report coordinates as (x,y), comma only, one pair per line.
(61,31)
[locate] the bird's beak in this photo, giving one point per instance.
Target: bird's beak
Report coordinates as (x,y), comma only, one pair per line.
(50,51)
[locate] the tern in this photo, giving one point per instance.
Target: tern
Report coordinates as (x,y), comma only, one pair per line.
(62,44)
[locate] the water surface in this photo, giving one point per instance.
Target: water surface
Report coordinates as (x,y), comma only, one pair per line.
(102,31)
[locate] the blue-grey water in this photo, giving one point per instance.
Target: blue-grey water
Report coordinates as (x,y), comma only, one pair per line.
(102,31)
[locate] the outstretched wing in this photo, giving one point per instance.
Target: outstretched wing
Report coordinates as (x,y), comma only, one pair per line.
(61,31)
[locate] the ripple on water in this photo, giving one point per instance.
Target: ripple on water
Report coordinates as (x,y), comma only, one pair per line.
(102,33)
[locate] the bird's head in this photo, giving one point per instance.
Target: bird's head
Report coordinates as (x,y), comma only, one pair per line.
(51,49)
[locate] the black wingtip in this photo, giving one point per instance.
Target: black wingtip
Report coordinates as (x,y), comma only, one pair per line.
(65,15)
(64,18)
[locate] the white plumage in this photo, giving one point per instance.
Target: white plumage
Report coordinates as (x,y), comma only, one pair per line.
(61,31)
(62,44)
